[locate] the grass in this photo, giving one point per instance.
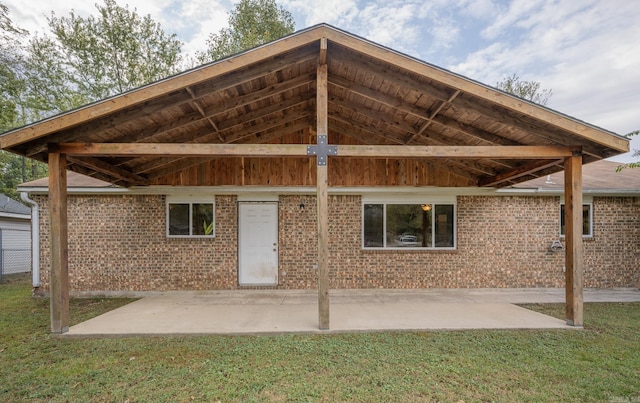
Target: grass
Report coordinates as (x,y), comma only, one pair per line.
(601,363)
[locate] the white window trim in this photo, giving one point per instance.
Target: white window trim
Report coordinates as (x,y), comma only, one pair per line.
(409,199)
(584,203)
(190,199)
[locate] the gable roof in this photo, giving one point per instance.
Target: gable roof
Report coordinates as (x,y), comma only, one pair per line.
(597,177)
(74,180)
(376,96)
(11,208)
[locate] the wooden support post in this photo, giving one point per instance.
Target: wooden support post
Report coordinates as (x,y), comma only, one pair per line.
(323,201)
(59,277)
(574,257)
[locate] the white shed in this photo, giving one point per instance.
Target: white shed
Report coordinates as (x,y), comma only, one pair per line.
(15,237)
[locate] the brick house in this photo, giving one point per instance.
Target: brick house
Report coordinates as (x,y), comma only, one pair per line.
(320,160)
(503,238)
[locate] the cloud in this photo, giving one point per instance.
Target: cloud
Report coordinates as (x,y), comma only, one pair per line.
(32,15)
(193,21)
(479,9)
(586,52)
(335,12)
(510,16)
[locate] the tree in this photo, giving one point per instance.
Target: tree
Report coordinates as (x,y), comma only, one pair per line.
(10,64)
(529,90)
(251,23)
(635,154)
(92,58)
(83,60)
(14,169)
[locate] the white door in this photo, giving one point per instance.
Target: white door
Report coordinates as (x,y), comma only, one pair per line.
(258,243)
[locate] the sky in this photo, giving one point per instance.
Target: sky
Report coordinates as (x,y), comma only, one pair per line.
(587,52)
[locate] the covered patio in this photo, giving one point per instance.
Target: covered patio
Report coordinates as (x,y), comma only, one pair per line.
(293,311)
(319,108)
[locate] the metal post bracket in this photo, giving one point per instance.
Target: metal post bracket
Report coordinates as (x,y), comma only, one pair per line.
(322,150)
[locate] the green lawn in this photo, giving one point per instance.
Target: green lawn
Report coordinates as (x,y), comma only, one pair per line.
(601,363)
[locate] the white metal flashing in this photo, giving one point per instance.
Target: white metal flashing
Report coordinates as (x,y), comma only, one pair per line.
(17,216)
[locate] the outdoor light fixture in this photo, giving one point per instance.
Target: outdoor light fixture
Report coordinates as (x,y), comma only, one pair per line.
(302,207)
(426,207)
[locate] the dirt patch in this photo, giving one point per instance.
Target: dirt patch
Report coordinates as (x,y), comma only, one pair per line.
(17,278)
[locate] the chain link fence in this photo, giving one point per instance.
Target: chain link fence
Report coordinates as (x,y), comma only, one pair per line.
(14,261)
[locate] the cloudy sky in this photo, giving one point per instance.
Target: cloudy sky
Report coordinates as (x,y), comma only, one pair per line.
(586,51)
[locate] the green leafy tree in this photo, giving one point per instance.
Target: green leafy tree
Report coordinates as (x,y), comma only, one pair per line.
(14,169)
(82,60)
(251,23)
(92,58)
(529,90)
(11,84)
(635,154)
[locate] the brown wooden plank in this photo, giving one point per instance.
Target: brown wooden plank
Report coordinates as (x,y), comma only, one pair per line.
(323,51)
(517,121)
(458,152)
(574,257)
(322,184)
(181,150)
(59,281)
(383,71)
(108,169)
(518,172)
(161,166)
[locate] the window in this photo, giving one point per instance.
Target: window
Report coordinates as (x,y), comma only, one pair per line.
(190,218)
(587,220)
(395,225)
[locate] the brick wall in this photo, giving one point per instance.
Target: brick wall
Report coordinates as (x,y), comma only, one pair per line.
(119,243)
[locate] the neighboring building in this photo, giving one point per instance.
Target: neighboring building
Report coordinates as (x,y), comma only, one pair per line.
(15,237)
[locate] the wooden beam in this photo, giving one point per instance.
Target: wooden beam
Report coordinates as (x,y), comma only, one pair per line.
(390,74)
(196,103)
(400,105)
(182,150)
(526,124)
(281,125)
(323,202)
(270,119)
(59,278)
(177,164)
(355,109)
(432,115)
(518,172)
(574,257)
(323,51)
(98,165)
(151,133)
(462,152)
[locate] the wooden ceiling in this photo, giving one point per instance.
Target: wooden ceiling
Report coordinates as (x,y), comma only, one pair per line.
(376,96)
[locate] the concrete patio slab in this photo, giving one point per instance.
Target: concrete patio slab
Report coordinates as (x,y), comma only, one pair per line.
(283,311)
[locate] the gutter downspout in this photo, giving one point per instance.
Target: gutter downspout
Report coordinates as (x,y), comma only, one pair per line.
(35,238)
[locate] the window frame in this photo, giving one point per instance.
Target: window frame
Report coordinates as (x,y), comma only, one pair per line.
(412,200)
(589,204)
(191,200)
